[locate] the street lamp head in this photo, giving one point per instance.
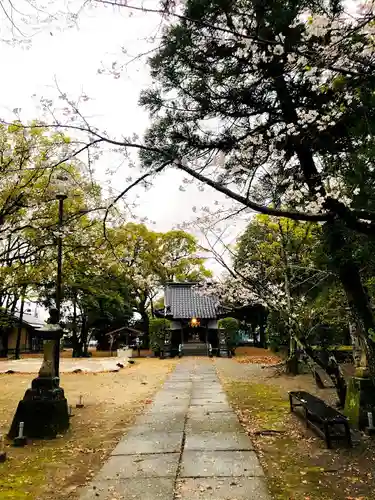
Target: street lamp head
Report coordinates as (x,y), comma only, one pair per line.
(60,183)
(53,316)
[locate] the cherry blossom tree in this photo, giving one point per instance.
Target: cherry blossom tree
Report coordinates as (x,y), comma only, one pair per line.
(273,266)
(271,104)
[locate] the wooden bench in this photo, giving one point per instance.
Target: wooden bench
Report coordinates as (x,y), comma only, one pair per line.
(322,418)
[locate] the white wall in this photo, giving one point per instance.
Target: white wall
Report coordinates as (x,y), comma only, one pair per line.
(212,324)
(175,325)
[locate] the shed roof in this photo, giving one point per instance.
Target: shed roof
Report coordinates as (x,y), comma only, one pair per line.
(128,329)
(186,303)
(30,320)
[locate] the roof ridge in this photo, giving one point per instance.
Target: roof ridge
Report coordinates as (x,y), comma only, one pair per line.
(181,283)
(185,302)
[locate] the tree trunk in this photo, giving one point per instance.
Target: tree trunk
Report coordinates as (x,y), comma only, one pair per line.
(262,333)
(4,337)
(357,348)
(74,323)
(338,245)
(84,336)
(19,329)
(356,294)
(330,366)
(146,328)
(293,357)
(78,341)
(10,302)
(292,361)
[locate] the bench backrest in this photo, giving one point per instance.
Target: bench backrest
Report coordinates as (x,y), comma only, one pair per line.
(317,406)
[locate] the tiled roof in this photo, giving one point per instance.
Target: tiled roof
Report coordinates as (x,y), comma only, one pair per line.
(30,320)
(186,303)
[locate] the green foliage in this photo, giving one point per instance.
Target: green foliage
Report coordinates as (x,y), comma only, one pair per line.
(296,132)
(290,254)
(277,330)
(159,327)
(150,259)
(231,327)
(229,324)
(106,277)
(7,321)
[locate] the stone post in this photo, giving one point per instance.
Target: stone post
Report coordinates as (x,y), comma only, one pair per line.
(360,396)
(44,408)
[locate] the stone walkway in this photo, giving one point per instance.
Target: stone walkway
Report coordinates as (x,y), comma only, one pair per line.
(189,445)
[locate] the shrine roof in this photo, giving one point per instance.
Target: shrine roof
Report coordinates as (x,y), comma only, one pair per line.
(183,301)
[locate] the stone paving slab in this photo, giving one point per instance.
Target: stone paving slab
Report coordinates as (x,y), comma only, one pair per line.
(151,488)
(179,388)
(208,408)
(178,384)
(173,407)
(223,489)
(205,380)
(152,442)
(163,413)
(211,399)
(130,466)
(171,399)
(220,463)
(206,390)
(214,422)
(188,444)
(174,426)
(207,387)
(162,404)
(226,441)
(162,417)
(214,394)
(162,422)
(171,404)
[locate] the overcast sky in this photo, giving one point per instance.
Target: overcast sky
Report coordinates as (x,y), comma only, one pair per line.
(72,57)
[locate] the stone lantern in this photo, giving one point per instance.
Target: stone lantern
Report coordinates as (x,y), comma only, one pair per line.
(44,408)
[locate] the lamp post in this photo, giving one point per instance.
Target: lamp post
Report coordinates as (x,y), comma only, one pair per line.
(60,196)
(44,409)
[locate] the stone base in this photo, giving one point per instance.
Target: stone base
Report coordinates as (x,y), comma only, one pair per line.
(44,411)
(20,442)
(360,399)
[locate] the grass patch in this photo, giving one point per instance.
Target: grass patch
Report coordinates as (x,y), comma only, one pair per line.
(296,463)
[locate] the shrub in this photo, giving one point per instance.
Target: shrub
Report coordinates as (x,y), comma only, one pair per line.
(230,326)
(159,327)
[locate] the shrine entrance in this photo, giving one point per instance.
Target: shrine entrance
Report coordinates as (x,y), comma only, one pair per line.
(194,331)
(193,318)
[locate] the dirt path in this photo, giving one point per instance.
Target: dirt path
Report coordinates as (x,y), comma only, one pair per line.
(53,470)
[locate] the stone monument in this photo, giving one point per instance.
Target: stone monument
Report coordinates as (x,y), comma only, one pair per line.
(360,397)
(44,408)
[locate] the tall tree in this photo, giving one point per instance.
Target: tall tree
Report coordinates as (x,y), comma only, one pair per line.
(275,266)
(269,103)
(150,259)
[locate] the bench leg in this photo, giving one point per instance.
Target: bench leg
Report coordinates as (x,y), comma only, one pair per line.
(348,435)
(327,435)
(291,403)
(306,411)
